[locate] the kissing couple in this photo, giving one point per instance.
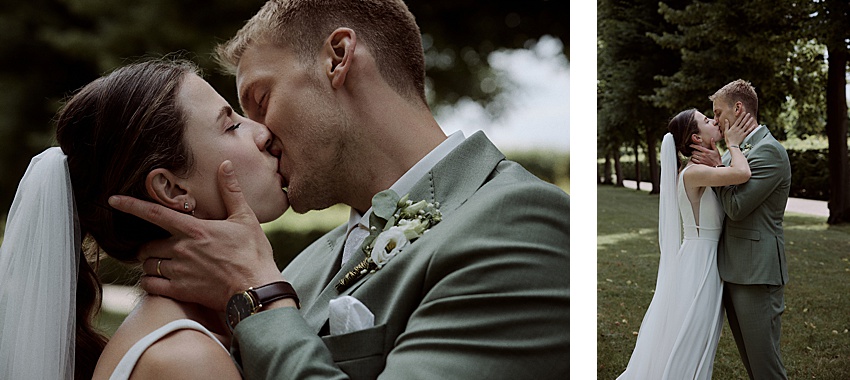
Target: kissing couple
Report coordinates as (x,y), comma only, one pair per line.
(453,264)
(732,253)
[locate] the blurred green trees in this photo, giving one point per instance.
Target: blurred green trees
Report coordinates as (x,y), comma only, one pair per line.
(49,48)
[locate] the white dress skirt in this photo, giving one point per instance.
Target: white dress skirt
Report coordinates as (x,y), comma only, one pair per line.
(680,331)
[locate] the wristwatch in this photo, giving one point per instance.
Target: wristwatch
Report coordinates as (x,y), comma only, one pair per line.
(245,304)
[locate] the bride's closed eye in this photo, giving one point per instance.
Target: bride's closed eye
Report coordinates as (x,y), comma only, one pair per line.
(233,127)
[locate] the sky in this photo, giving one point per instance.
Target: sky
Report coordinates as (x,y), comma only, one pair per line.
(538,115)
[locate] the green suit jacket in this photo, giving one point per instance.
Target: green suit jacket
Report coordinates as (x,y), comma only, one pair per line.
(752,246)
(484,294)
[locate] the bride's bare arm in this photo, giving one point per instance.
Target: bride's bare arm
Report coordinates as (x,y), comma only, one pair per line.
(738,170)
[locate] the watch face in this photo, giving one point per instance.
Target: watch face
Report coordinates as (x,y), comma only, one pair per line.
(239,307)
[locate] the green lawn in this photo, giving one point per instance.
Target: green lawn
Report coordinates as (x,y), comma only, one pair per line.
(815,337)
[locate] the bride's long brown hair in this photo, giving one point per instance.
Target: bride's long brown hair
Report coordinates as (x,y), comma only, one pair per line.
(682,126)
(115,130)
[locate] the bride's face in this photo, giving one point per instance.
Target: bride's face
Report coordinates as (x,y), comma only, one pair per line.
(215,133)
(708,129)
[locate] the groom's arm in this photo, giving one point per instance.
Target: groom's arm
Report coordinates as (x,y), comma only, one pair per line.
(495,302)
(766,174)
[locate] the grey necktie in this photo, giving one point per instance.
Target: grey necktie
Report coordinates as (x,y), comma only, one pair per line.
(353,242)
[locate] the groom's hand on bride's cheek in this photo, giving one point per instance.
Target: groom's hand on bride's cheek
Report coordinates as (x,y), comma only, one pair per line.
(205,261)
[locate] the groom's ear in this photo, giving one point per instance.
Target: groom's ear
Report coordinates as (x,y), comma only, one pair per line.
(163,186)
(739,109)
(338,55)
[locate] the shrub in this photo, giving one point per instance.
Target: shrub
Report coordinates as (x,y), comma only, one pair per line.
(809,174)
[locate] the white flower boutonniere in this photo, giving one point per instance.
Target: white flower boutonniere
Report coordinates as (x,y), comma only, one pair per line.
(395,224)
(746,148)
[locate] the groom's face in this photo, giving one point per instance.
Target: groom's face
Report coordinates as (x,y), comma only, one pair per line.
(723,112)
(289,96)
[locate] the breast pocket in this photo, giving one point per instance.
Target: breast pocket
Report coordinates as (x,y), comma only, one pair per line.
(361,354)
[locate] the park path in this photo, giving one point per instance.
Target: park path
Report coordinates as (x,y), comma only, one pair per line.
(795,205)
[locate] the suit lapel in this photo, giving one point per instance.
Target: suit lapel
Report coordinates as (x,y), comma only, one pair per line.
(454,179)
(318,312)
(757,138)
(451,182)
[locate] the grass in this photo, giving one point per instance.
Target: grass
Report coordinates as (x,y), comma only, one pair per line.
(815,339)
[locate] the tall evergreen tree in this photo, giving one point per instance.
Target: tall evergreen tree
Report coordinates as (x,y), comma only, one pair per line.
(630,63)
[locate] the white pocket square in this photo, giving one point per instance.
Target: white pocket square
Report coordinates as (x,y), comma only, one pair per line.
(347,314)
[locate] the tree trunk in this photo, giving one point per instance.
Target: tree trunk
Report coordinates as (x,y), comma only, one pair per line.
(637,163)
(652,157)
(606,170)
(618,168)
(836,133)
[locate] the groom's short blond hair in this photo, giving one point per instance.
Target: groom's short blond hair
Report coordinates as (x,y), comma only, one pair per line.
(386,26)
(739,91)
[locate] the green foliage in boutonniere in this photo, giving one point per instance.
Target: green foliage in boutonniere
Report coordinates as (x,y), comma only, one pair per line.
(746,148)
(394,223)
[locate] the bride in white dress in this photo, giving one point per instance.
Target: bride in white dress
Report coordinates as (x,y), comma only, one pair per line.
(153,130)
(679,333)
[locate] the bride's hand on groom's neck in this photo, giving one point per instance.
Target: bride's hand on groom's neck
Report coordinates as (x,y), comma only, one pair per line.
(205,261)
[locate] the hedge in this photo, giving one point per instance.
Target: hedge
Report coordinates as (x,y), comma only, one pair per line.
(550,166)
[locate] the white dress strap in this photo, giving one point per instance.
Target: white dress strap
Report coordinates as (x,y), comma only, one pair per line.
(128,362)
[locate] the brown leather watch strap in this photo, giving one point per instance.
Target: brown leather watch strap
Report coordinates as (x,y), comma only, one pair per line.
(275,291)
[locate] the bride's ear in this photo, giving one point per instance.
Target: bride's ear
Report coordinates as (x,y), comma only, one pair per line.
(164,187)
(696,139)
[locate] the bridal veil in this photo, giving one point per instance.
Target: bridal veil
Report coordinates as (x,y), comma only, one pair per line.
(669,224)
(39,260)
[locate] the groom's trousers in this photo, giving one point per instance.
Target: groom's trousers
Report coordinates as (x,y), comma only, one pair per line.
(754,313)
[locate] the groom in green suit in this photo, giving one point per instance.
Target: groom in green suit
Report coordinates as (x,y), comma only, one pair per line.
(467,280)
(751,254)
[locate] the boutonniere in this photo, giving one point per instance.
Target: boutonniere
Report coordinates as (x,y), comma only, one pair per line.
(746,148)
(395,223)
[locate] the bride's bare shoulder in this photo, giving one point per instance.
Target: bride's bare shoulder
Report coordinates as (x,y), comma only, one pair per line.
(150,313)
(185,354)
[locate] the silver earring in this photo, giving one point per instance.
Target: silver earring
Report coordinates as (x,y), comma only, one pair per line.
(186,208)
